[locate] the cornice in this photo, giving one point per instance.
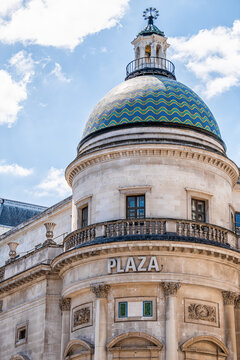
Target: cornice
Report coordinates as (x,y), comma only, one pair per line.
(185,153)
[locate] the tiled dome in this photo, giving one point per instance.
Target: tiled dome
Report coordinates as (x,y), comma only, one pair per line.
(151,100)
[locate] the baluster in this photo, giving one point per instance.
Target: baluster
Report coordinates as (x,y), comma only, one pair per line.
(179,229)
(206,229)
(187,229)
(133,228)
(128,227)
(144,227)
(117,229)
(107,230)
(156,227)
(150,227)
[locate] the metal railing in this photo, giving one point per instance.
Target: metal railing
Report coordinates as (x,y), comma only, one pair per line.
(153,226)
(152,64)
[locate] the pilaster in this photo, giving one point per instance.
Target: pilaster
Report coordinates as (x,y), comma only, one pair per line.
(170,291)
(229,299)
(101,293)
(65,306)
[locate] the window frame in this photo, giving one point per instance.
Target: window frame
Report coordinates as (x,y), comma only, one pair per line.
(202,196)
(136,208)
(198,212)
(82,217)
(19,328)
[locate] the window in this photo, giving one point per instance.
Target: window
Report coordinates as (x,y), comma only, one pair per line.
(122,311)
(237,223)
(85,216)
(136,207)
(198,210)
(21,334)
(147,308)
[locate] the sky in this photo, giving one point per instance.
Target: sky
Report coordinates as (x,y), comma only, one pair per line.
(58,58)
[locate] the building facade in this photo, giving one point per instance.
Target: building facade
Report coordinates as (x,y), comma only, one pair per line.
(143,261)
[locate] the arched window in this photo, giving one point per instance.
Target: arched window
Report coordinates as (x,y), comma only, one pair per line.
(135,345)
(148,53)
(204,348)
(78,349)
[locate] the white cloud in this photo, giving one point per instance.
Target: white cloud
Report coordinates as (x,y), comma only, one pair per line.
(58,23)
(213,56)
(15,170)
(12,92)
(53,185)
(57,71)
(8,6)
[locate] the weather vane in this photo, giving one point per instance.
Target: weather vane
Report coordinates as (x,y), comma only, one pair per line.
(150,14)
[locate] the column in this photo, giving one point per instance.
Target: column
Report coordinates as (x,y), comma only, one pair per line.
(65,306)
(237,325)
(170,292)
(229,299)
(101,292)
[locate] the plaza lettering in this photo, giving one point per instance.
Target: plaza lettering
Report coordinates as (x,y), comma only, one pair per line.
(133,264)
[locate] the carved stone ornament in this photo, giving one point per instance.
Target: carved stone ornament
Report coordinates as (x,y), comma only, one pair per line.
(237,302)
(49,234)
(101,290)
(65,304)
(229,297)
(202,312)
(170,288)
(81,316)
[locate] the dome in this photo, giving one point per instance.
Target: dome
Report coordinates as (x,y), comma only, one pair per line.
(151,100)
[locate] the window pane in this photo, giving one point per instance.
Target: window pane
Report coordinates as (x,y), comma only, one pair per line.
(198,210)
(140,213)
(131,202)
(140,201)
(131,214)
(147,308)
(122,309)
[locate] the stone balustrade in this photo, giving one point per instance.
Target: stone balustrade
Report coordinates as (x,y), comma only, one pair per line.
(153,226)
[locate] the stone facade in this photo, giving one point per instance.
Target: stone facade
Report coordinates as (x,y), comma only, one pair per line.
(163,286)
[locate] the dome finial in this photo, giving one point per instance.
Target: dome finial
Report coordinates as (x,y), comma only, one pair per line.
(150,14)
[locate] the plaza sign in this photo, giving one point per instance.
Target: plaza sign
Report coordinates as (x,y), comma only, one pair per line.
(133,264)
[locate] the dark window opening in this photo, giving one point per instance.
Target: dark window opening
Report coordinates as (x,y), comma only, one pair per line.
(136,207)
(21,334)
(198,210)
(85,216)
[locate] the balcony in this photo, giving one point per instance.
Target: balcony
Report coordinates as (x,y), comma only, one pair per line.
(150,65)
(181,229)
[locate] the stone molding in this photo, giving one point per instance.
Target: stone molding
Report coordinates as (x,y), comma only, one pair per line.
(100,290)
(217,161)
(170,288)
(65,304)
(229,297)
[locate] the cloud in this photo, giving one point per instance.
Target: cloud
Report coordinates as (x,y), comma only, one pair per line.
(9,6)
(58,23)
(57,71)
(15,170)
(53,185)
(213,56)
(13,92)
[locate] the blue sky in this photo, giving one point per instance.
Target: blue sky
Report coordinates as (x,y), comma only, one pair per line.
(58,58)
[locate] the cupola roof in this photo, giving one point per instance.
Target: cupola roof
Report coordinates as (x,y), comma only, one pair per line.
(150,14)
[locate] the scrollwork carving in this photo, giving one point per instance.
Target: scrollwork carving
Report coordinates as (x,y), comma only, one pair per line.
(202,312)
(81,316)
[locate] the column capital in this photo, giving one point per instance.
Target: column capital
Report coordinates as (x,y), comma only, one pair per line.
(100,290)
(65,304)
(170,288)
(237,302)
(229,297)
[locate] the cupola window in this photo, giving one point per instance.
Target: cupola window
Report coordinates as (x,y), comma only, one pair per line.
(136,207)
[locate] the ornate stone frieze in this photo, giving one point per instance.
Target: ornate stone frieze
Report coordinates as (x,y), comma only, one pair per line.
(65,304)
(100,290)
(229,297)
(82,316)
(170,288)
(201,312)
